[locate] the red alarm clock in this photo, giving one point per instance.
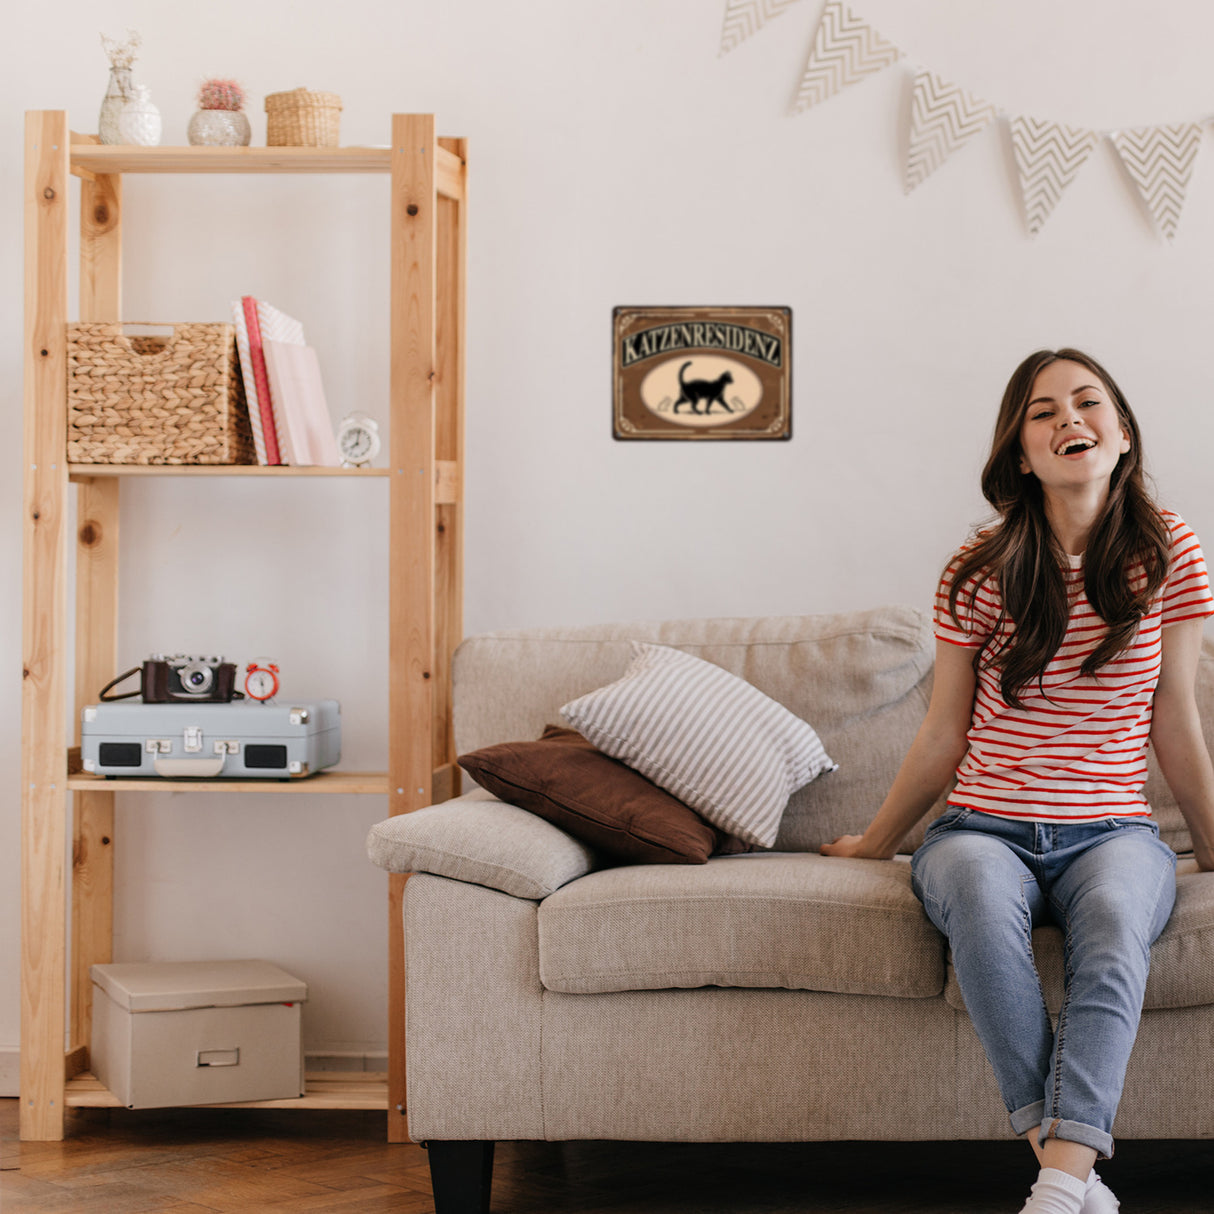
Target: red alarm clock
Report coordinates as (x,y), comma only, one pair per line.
(261,680)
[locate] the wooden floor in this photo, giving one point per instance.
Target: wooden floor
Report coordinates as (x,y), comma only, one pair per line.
(196,1161)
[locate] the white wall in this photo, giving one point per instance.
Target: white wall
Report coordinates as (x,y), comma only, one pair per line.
(616,160)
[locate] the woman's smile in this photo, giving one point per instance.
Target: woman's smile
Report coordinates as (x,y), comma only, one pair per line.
(1071,433)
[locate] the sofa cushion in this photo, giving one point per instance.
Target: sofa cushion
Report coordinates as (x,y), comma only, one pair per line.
(479,839)
(706,736)
(1182,959)
(798,922)
(598,799)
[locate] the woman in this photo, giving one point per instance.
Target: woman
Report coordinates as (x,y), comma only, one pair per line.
(1068,636)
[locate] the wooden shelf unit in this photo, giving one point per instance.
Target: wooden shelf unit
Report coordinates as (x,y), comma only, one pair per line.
(426,229)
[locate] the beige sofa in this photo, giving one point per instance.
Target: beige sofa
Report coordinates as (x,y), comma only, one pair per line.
(766,996)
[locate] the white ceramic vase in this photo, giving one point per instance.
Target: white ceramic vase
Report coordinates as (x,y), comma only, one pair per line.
(219,128)
(139,122)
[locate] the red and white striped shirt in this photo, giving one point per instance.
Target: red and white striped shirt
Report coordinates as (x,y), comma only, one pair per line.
(1076,753)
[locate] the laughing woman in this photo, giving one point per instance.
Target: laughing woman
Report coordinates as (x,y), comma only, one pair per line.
(1068,635)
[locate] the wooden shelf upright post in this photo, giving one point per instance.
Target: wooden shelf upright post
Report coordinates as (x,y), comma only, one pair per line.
(44,619)
(96,650)
(425,579)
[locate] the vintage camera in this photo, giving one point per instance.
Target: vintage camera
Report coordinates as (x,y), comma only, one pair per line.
(182,677)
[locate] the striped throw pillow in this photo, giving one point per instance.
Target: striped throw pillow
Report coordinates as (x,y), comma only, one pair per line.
(710,739)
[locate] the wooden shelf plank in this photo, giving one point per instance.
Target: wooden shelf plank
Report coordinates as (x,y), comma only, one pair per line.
(124,158)
(79,472)
(324,1090)
(331,782)
(447,473)
(95,158)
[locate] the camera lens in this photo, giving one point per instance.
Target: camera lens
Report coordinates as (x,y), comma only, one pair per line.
(196,678)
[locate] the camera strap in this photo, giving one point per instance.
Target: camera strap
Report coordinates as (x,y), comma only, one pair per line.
(126,695)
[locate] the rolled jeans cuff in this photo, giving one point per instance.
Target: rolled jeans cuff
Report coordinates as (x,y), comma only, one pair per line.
(1075,1131)
(1029,1117)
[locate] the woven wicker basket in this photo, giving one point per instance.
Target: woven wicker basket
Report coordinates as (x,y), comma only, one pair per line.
(156,400)
(302,119)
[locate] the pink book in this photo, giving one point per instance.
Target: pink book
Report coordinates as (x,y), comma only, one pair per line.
(305,429)
(257,360)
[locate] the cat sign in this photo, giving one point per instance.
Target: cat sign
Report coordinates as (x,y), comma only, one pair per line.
(702,373)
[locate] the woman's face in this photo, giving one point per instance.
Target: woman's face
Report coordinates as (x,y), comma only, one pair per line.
(1071,435)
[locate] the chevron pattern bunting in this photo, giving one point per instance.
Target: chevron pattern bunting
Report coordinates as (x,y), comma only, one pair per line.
(846,49)
(1160,160)
(746,17)
(943,118)
(1049,157)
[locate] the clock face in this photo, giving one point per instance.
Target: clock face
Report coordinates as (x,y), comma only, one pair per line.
(355,443)
(261,684)
(358,439)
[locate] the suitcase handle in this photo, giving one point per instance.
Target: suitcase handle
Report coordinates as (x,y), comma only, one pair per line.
(189,767)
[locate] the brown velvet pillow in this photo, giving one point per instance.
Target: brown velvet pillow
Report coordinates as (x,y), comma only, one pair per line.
(599,800)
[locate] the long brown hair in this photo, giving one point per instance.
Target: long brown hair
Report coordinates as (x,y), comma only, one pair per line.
(1022,555)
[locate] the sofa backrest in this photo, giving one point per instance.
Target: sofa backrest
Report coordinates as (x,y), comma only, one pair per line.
(862,679)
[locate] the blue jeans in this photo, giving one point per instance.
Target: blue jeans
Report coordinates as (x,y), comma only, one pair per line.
(986,882)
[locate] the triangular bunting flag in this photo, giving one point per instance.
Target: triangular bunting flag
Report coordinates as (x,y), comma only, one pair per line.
(1160,160)
(1049,156)
(943,118)
(846,49)
(746,17)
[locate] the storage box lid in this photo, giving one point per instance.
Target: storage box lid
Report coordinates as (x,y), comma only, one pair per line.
(173,986)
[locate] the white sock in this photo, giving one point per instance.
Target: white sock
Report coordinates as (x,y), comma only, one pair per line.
(1056,1192)
(1098,1197)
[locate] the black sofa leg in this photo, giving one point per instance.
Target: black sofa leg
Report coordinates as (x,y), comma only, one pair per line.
(461,1174)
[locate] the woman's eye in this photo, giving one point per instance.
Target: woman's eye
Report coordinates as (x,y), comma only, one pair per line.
(1036,417)
(1088,404)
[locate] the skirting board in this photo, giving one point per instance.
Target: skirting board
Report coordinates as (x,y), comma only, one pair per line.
(10,1070)
(344,1060)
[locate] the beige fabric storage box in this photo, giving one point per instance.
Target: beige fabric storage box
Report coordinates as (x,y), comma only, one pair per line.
(197,1032)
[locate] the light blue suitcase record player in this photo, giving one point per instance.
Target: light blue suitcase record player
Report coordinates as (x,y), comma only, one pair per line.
(240,739)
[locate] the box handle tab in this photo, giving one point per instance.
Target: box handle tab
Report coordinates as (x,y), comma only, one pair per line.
(217,1057)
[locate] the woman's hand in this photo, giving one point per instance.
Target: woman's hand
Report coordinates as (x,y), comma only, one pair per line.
(930,763)
(848,846)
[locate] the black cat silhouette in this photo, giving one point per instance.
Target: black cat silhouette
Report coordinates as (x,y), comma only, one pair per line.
(692,391)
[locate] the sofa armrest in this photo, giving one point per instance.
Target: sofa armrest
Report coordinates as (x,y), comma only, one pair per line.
(483,841)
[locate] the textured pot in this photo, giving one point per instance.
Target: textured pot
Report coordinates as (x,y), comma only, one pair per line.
(219,128)
(140,120)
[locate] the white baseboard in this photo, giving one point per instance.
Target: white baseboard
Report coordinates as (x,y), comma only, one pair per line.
(10,1070)
(342,1060)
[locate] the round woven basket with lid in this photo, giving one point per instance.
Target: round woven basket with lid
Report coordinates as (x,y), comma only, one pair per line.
(300,118)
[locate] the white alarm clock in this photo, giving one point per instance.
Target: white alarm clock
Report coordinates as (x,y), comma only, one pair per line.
(261,681)
(357,440)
